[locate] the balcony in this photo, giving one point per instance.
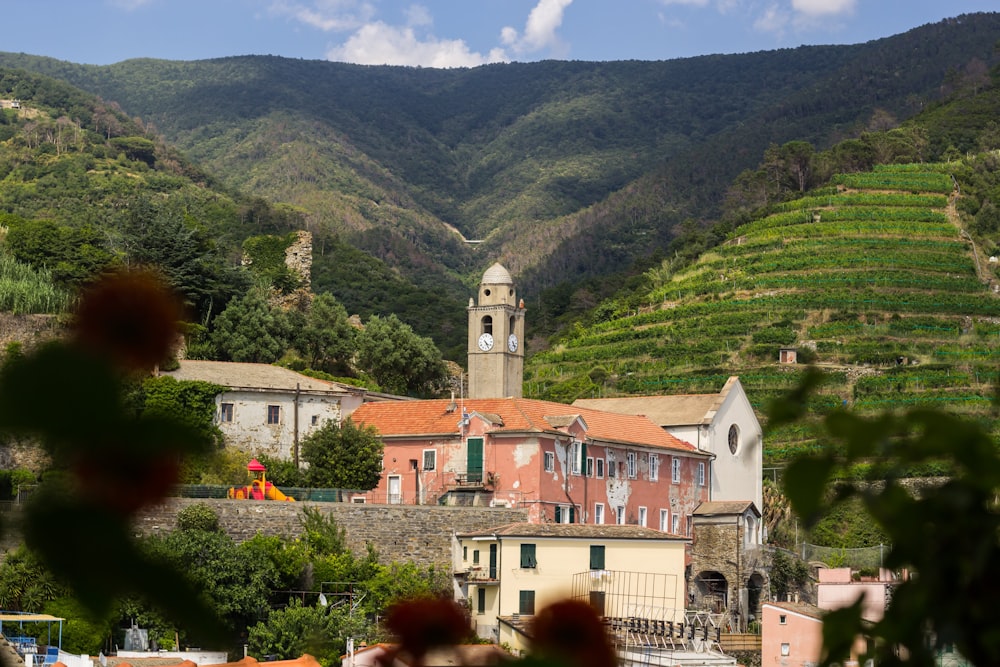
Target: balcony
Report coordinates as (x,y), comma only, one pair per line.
(482,575)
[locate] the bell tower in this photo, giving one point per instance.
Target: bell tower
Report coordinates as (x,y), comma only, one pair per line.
(496,338)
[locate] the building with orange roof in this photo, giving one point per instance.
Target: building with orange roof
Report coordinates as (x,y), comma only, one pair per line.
(563,464)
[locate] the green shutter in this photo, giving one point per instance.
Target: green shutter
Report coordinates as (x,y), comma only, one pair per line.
(572,514)
(474,460)
(597,557)
(528,556)
(481,607)
(558,514)
(526,602)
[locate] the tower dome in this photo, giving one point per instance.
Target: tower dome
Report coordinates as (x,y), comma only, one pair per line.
(497,275)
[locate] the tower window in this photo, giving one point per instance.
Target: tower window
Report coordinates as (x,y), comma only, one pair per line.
(488,325)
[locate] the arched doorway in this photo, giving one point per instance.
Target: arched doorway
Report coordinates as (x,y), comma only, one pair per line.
(711,591)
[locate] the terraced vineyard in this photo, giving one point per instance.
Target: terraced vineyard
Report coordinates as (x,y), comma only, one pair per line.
(871,279)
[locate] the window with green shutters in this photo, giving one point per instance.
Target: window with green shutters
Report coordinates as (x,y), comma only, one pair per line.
(526,602)
(481,607)
(528,556)
(596,556)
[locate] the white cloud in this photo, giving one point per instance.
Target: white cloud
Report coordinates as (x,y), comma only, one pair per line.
(539,30)
(694,3)
(381,44)
(773,20)
(326,15)
(824,7)
(418,15)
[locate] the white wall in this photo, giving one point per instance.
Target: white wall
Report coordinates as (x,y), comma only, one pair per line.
(737,477)
(250,431)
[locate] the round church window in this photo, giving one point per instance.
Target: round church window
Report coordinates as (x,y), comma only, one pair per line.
(734,438)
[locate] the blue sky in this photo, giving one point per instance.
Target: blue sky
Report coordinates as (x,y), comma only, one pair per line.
(450,33)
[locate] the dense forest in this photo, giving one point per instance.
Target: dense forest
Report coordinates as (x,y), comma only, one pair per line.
(574,175)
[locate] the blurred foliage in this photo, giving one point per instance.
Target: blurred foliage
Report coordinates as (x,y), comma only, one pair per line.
(948,537)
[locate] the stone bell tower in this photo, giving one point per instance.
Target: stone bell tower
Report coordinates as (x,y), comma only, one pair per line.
(496,338)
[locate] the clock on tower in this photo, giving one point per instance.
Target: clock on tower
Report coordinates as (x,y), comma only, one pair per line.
(496,329)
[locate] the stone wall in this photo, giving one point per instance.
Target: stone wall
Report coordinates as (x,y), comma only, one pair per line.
(416,533)
(29,330)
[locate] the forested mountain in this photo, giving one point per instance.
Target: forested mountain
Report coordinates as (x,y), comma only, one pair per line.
(569,171)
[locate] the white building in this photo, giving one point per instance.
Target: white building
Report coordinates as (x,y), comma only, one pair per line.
(269,409)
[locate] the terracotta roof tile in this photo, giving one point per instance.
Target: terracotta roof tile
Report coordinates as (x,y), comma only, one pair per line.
(577,530)
(516,415)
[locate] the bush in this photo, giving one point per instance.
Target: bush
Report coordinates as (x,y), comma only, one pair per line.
(198,517)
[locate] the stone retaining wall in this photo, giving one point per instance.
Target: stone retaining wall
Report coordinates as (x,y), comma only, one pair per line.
(415,533)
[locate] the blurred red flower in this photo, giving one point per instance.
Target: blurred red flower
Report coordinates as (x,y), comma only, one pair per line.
(426,623)
(570,631)
(130,316)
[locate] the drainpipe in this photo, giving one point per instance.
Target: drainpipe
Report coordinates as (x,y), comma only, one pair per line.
(295,434)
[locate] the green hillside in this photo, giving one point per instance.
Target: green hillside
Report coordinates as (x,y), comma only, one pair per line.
(872,279)
(572,173)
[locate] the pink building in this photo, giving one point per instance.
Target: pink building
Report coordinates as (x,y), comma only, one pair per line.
(791,634)
(837,588)
(562,463)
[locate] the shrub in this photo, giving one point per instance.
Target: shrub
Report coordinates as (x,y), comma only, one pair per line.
(198,517)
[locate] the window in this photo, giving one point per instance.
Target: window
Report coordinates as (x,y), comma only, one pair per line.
(565,514)
(664,520)
(526,602)
(590,466)
(734,438)
(596,556)
(620,514)
(315,420)
(430,459)
(701,473)
(528,556)
(226,412)
(675,470)
(785,649)
(576,453)
(689,525)
(675,525)
(782,619)
(550,461)
(481,595)
(600,468)
(598,512)
(630,464)
(611,466)
(274,414)
(475,557)
(465,553)
(654,467)
(642,516)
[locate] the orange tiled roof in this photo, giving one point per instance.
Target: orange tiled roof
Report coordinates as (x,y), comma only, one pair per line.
(511,415)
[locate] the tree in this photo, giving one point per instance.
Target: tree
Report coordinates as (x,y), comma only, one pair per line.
(344,456)
(400,361)
(327,337)
(250,330)
(322,632)
(948,537)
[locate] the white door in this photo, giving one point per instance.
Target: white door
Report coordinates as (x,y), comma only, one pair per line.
(395,489)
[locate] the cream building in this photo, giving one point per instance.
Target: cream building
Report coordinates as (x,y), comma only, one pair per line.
(510,572)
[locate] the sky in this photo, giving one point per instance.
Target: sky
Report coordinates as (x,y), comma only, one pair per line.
(450,33)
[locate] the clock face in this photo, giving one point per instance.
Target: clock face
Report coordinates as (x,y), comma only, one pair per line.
(486,342)
(512,343)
